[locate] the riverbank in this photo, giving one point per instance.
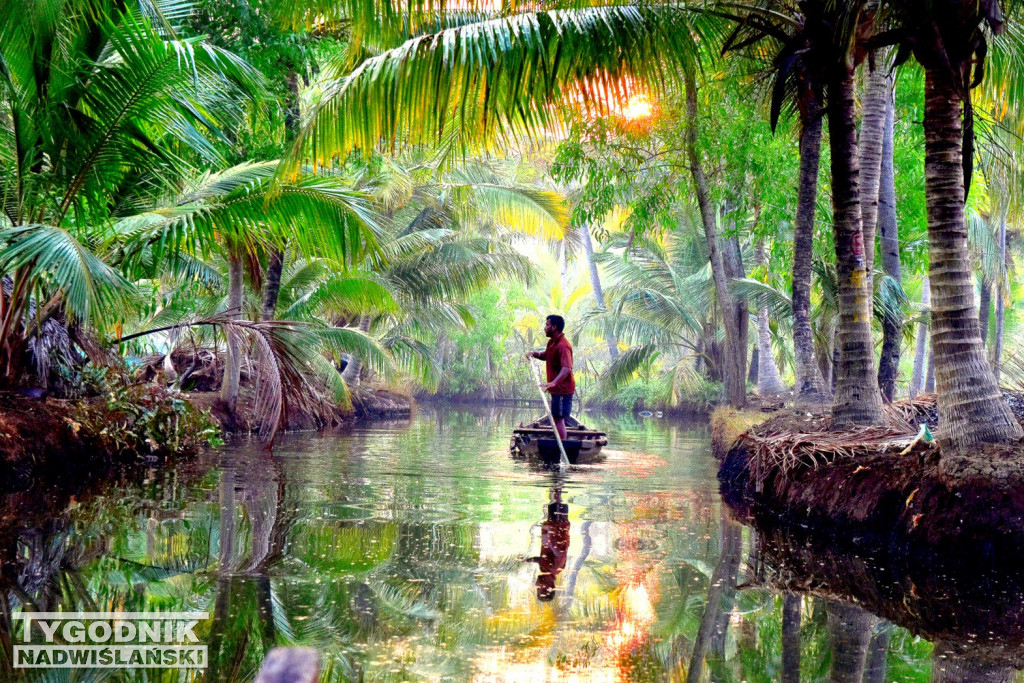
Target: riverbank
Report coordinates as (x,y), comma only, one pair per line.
(368,403)
(880,485)
(44,436)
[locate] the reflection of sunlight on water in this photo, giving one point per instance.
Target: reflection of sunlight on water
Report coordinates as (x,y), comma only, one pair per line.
(633,464)
(497,666)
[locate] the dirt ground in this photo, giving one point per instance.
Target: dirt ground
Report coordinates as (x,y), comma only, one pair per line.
(868,486)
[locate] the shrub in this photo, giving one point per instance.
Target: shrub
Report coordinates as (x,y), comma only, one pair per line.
(139,418)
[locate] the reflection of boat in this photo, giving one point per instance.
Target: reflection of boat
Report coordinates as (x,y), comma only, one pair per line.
(537,440)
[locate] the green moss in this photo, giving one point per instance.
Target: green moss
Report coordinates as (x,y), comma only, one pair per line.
(727,424)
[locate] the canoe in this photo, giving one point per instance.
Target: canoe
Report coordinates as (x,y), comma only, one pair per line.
(537,440)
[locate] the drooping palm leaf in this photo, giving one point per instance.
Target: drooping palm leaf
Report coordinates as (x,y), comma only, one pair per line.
(497,78)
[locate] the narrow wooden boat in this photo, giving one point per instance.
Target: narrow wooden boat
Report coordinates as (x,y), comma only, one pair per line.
(537,440)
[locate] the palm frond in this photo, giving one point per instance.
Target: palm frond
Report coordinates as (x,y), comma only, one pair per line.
(496,78)
(66,267)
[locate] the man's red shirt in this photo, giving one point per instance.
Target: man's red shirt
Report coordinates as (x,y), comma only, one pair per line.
(556,356)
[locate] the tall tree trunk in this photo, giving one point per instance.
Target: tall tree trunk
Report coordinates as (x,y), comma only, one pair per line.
(997,352)
(790,639)
(753,367)
(921,352)
(735,270)
(272,283)
(769,381)
(875,106)
(857,401)
(811,389)
(735,357)
(233,366)
(888,231)
(275,260)
(595,284)
(850,629)
(929,380)
(971,407)
(985,309)
(355,366)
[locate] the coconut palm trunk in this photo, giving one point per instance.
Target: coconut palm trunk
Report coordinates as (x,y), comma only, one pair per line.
(233,366)
(971,407)
(889,242)
(769,381)
(921,352)
(878,655)
(595,284)
(734,359)
(275,260)
(871,143)
(811,389)
(850,629)
(352,371)
(791,613)
(985,308)
(857,401)
(1001,290)
(272,284)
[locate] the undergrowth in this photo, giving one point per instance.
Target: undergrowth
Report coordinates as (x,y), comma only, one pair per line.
(125,417)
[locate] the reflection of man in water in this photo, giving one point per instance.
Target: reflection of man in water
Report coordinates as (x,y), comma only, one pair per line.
(554,546)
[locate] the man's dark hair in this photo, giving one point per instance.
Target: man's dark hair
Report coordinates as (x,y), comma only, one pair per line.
(558,322)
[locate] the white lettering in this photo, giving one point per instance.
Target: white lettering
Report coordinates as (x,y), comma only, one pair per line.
(48,628)
(74,631)
(185,631)
(149,632)
(124,631)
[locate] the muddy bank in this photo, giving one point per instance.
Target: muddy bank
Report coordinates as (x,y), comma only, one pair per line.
(65,441)
(866,487)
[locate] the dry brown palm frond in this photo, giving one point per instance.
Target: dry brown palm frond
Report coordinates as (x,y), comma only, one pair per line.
(289,369)
(785,451)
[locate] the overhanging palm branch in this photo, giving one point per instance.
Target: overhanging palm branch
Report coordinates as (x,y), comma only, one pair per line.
(64,270)
(316,215)
(497,78)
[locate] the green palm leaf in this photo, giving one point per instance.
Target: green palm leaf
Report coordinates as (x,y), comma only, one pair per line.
(496,78)
(66,268)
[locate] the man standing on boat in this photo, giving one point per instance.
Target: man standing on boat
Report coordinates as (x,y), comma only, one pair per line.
(558,358)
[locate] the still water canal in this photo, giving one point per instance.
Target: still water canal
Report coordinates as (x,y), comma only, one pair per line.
(419,550)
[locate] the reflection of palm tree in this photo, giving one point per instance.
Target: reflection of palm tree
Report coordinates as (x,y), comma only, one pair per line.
(721,594)
(791,612)
(259,487)
(850,628)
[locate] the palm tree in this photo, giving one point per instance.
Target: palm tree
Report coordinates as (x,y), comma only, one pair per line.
(889,243)
(734,312)
(857,400)
(798,78)
(240,212)
(949,40)
(103,104)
